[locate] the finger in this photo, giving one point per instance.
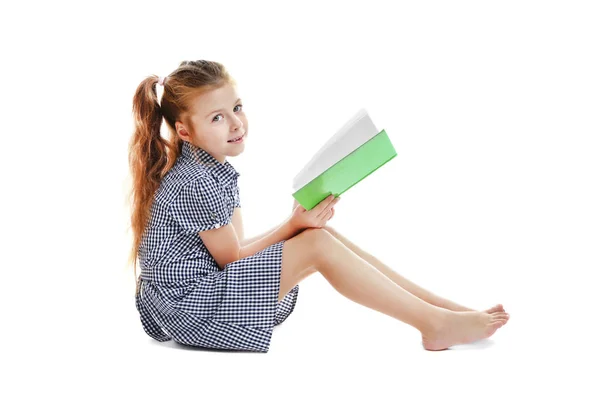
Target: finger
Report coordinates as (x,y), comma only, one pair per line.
(321,206)
(324,214)
(320,212)
(325,202)
(332,203)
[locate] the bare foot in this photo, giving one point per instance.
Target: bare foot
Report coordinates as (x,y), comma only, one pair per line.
(462,328)
(494,309)
(459,308)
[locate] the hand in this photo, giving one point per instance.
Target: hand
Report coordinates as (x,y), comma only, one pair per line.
(295,205)
(316,217)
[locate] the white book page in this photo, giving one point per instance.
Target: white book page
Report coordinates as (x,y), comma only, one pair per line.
(337,136)
(358,130)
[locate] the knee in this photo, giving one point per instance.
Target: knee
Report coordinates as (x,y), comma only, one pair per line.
(317,234)
(318,240)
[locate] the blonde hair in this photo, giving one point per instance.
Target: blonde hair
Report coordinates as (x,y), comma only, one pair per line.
(150,155)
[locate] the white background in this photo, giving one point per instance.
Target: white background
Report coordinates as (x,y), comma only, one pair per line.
(493,197)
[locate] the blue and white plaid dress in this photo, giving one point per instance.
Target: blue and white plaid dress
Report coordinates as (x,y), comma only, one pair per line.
(182,293)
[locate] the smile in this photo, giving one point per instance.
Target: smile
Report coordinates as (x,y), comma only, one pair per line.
(237,140)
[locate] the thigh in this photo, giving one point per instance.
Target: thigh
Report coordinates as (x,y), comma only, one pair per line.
(300,258)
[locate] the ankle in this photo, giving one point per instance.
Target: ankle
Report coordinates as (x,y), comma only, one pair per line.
(435,320)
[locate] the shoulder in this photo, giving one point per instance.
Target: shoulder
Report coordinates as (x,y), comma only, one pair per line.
(201,190)
(181,176)
(183,173)
(200,204)
(204,185)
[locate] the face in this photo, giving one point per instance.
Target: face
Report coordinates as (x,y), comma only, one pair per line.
(215,118)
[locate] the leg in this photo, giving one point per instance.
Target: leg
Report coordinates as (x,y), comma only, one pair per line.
(413,288)
(359,281)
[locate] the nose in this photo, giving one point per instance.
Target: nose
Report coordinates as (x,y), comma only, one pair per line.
(237,123)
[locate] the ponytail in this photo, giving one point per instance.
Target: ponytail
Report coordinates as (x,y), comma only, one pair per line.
(148,158)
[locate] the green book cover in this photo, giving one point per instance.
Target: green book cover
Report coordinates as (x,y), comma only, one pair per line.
(352,154)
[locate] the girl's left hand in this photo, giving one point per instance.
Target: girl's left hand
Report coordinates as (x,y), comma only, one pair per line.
(328,216)
(296,205)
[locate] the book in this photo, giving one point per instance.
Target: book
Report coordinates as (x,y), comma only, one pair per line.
(354,152)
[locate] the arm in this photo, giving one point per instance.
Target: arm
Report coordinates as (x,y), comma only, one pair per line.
(248,241)
(224,246)
(238,224)
(284,231)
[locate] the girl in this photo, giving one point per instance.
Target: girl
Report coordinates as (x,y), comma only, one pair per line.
(202,282)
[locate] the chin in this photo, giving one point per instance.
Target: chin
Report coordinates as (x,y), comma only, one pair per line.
(237,152)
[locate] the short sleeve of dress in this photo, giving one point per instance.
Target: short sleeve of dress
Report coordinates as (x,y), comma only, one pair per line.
(200,206)
(236,196)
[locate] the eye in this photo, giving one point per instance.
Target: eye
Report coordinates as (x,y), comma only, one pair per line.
(222,114)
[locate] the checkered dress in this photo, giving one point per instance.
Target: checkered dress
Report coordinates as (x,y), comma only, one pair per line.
(182,293)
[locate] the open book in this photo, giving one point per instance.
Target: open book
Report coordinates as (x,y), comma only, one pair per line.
(350,155)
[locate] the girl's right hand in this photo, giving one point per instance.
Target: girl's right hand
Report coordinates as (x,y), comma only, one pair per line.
(315,217)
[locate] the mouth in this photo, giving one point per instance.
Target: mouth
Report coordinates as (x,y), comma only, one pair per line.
(237,140)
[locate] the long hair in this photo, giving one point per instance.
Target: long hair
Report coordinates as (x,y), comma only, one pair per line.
(151,156)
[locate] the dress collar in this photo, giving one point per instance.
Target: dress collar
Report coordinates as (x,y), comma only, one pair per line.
(224,172)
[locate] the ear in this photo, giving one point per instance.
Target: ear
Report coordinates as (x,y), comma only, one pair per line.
(182,131)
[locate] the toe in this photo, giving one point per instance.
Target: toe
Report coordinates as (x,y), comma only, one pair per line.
(494,309)
(491,329)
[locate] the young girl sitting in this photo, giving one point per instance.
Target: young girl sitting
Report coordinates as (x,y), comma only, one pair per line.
(202,281)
